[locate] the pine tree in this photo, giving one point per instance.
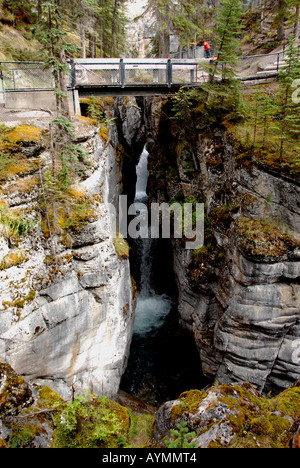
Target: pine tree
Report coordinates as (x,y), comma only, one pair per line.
(180,17)
(289,124)
(263,113)
(181,437)
(280,8)
(294,7)
(228,29)
(52,35)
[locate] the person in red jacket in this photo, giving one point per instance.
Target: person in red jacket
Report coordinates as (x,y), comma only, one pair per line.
(207,49)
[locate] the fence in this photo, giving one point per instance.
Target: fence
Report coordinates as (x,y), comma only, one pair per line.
(32,76)
(124,72)
(256,65)
(25,75)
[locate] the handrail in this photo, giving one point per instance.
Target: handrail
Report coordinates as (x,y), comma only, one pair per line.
(187,71)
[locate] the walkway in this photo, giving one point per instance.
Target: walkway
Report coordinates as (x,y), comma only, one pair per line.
(22,83)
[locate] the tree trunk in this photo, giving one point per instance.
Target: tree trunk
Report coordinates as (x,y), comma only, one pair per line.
(82,40)
(64,101)
(113,27)
(280,27)
(164,44)
(297,24)
(39,10)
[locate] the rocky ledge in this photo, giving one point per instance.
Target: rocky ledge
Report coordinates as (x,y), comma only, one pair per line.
(232,416)
(66,302)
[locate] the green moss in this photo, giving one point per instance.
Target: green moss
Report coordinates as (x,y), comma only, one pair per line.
(14,392)
(262,239)
(121,246)
(189,403)
(289,402)
(49,398)
(14,258)
(20,301)
(259,421)
(23,435)
(92,422)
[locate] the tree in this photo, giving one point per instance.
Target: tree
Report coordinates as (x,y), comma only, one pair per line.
(83,17)
(180,17)
(181,437)
(264,112)
(52,35)
(294,7)
(289,123)
(280,8)
(228,29)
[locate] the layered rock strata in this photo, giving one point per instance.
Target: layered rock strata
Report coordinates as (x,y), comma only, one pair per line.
(239,295)
(67,308)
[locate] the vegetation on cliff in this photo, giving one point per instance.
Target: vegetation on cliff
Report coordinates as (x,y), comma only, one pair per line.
(236,416)
(221,416)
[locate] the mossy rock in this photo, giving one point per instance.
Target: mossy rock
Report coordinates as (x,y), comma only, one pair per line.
(15,393)
(189,403)
(237,416)
(24,134)
(260,239)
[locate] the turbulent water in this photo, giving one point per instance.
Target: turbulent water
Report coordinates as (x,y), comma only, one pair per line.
(152,309)
(162,358)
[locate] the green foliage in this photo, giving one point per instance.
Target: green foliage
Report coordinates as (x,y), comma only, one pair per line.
(270,133)
(91,422)
(23,436)
(18,225)
(228,30)
(121,246)
(289,123)
(181,437)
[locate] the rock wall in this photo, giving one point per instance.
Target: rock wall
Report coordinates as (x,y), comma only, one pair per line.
(66,319)
(240,294)
(232,416)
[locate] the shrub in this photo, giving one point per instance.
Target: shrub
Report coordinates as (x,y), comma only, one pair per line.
(91,422)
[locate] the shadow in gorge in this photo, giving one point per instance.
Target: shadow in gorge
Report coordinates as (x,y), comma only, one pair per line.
(163,364)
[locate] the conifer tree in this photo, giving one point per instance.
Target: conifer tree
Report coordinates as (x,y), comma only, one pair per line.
(52,35)
(228,29)
(289,123)
(179,17)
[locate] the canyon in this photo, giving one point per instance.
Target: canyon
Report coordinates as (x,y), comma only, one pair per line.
(67,321)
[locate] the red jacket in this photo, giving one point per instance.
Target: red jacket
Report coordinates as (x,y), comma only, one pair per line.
(206,45)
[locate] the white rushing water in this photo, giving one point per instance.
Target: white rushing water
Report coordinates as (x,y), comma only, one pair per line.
(151,309)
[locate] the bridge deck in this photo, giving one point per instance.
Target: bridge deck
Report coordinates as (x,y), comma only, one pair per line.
(128,90)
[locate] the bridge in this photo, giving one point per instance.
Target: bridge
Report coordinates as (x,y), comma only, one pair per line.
(26,82)
(136,76)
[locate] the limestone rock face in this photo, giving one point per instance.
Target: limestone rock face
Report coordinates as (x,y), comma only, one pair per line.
(232,416)
(66,319)
(239,295)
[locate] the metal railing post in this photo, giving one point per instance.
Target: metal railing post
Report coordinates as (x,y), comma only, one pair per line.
(73,73)
(169,73)
(122,73)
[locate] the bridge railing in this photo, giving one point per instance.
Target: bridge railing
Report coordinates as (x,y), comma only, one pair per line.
(32,76)
(22,76)
(137,71)
(259,64)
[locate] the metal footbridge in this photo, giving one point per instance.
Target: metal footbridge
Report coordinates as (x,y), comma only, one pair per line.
(130,75)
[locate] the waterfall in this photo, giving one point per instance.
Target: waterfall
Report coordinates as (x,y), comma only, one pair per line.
(152,309)
(163,360)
